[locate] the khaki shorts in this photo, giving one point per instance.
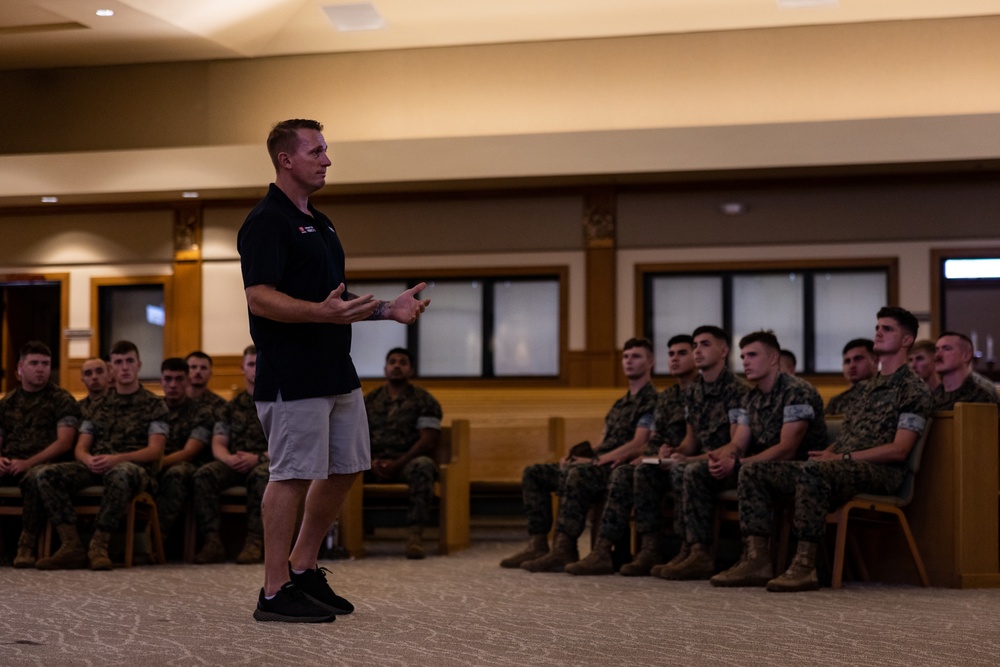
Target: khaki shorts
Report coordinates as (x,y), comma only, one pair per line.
(313,438)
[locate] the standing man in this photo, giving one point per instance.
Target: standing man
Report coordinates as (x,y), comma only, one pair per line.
(958,383)
(405,426)
(669,428)
(96,378)
(38,424)
(581,482)
(240,451)
(921,361)
(867,457)
(307,392)
(120,446)
(860,363)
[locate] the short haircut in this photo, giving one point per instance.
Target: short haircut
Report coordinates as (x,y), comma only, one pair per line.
(124,347)
(904,318)
(715,332)
(789,355)
(284,136)
(34,347)
(965,339)
(680,339)
(198,354)
(767,338)
(924,345)
(638,342)
(250,349)
(399,350)
(866,343)
(175,364)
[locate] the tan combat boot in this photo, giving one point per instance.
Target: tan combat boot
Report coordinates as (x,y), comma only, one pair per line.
(70,556)
(598,561)
(673,562)
(563,553)
(698,565)
(538,546)
(26,546)
(415,545)
(753,569)
(97,554)
(801,574)
(650,554)
(252,552)
(213,551)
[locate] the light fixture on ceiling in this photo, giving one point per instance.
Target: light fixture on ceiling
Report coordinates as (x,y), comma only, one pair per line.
(354,17)
(104,13)
(190,194)
(733,208)
(50,200)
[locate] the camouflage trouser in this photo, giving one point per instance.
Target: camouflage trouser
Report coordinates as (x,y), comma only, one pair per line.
(698,501)
(651,484)
(214,478)
(618,508)
(32,511)
(818,487)
(58,482)
(583,486)
(538,483)
(419,474)
(173,491)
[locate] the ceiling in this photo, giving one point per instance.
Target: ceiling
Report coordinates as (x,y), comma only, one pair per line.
(67,33)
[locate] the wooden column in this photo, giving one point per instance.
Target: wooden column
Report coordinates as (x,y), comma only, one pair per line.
(185,295)
(599,228)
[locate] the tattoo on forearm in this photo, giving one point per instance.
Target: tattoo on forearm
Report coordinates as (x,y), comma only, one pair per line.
(381,311)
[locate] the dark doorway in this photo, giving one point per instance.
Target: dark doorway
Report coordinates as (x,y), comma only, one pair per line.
(29,311)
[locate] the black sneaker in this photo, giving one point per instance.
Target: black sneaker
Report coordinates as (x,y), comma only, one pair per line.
(290,605)
(313,585)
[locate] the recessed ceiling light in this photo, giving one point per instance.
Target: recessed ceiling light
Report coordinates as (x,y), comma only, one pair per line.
(50,200)
(733,208)
(354,17)
(190,194)
(105,12)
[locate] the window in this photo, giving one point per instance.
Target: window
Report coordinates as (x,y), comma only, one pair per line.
(505,326)
(133,310)
(813,310)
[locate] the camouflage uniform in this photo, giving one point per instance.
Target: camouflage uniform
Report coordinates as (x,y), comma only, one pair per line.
(886,404)
(394,425)
(712,409)
(87,404)
(581,485)
(29,422)
(242,426)
(970,391)
(191,420)
(791,399)
(119,424)
(669,428)
(845,400)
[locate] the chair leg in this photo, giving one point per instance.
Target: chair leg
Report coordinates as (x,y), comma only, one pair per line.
(130,532)
(917,560)
(839,548)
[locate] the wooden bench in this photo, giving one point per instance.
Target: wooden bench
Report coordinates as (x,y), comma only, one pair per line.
(452,490)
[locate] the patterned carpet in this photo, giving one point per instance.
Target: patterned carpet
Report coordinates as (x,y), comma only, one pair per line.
(465,610)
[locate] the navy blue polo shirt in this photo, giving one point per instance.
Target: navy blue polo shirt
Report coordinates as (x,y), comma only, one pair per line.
(301,256)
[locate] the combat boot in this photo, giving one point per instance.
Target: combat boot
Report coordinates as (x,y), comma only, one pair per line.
(213,551)
(26,546)
(598,561)
(563,553)
(753,569)
(415,545)
(252,552)
(97,554)
(650,553)
(673,562)
(538,546)
(70,555)
(801,574)
(698,565)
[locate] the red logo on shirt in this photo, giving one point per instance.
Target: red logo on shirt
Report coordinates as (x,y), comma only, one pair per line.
(308,229)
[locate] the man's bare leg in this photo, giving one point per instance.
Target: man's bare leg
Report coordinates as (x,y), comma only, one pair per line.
(279,508)
(323,502)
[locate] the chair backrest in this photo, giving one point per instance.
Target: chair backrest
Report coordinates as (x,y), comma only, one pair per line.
(912,465)
(453,444)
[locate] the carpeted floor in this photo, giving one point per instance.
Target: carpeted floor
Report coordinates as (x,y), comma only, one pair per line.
(465,610)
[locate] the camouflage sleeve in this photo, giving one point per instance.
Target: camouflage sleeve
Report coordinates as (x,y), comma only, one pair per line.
(159,427)
(646,420)
(742,412)
(430,413)
(201,434)
(88,427)
(914,407)
(798,406)
(68,410)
